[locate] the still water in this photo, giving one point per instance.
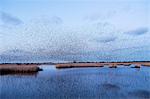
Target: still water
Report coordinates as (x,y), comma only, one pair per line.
(78,83)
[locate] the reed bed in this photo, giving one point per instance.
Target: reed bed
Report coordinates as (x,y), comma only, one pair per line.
(10,69)
(110,65)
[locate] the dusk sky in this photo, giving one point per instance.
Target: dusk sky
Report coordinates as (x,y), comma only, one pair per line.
(101,29)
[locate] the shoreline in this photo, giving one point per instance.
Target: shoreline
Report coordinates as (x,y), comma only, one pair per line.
(54,63)
(13,68)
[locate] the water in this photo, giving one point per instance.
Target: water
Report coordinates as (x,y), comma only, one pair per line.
(78,83)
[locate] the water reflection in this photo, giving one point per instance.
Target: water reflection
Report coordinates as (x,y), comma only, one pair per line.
(20,74)
(78,83)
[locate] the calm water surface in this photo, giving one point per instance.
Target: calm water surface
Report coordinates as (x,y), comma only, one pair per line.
(78,83)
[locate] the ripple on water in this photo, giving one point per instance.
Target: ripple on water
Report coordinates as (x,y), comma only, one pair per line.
(142,94)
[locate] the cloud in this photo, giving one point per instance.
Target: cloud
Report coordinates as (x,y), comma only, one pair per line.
(139,31)
(43,20)
(143,47)
(56,20)
(100,16)
(104,32)
(16,52)
(106,39)
(47,36)
(7,18)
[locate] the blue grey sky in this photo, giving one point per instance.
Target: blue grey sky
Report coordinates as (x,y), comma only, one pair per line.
(110,29)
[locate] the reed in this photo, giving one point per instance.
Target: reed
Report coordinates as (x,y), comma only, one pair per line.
(101,64)
(10,69)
